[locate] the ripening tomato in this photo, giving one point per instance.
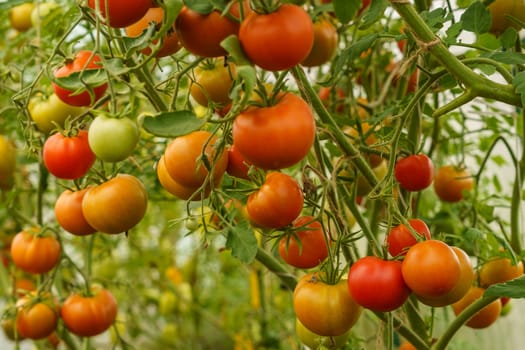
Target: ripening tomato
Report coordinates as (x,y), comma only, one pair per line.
(499,270)
(400,238)
(324,46)
(275,137)
(113,139)
(277,203)
(415,172)
(500,9)
(484,317)
(37,316)
(20,16)
(35,253)
(325,309)
(237,165)
(7,162)
(121,13)
(451,182)
(213,81)
(116,205)
(87,316)
(68,157)
(184,159)
(377,284)
(305,247)
(84,60)
(431,268)
(278,40)
(49,113)
(170,44)
(69,215)
(315,341)
(406,346)
(176,189)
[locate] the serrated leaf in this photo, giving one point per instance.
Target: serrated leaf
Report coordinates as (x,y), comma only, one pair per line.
(476,18)
(375,11)
(242,242)
(452,33)
(346,10)
(513,289)
(353,51)
(436,18)
(172,124)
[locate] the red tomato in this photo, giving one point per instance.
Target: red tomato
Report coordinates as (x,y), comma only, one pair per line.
(431,268)
(34,253)
(122,13)
(415,172)
(37,317)
(275,137)
(484,317)
(278,40)
(87,316)
(324,46)
(237,165)
(84,60)
(68,157)
(400,238)
(325,309)
(68,213)
(450,182)
(377,284)
(305,247)
(277,203)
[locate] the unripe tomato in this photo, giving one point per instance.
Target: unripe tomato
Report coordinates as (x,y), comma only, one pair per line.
(34,253)
(121,13)
(315,341)
(37,316)
(69,215)
(47,114)
(450,182)
(213,81)
(324,46)
(500,9)
(400,238)
(415,172)
(113,139)
(176,189)
(7,162)
(499,270)
(20,16)
(116,205)
(484,317)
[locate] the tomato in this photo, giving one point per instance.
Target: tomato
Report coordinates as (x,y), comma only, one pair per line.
(184,159)
(7,162)
(113,139)
(278,40)
(325,309)
(9,328)
(87,316)
(23,286)
(324,46)
(333,98)
(500,9)
(213,81)
(484,317)
(277,203)
(400,238)
(305,247)
(201,34)
(20,16)
(237,165)
(47,114)
(176,189)
(466,278)
(34,253)
(499,270)
(415,172)
(315,341)
(431,268)
(405,345)
(275,137)
(84,60)
(451,182)
(69,215)
(116,205)
(37,316)
(170,44)
(121,13)
(68,157)
(377,284)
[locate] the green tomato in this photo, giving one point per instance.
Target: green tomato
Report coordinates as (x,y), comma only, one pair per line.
(41,11)
(314,341)
(167,303)
(113,139)
(50,113)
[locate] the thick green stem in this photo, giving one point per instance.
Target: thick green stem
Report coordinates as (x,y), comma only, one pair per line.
(276,267)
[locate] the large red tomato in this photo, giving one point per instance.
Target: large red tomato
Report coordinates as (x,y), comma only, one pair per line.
(450,182)
(415,172)
(278,40)
(275,137)
(68,213)
(84,60)
(121,13)
(377,284)
(35,253)
(68,157)
(400,238)
(37,316)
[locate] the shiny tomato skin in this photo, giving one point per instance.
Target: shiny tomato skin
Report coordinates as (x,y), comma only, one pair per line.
(311,249)
(275,137)
(400,238)
(500,9)
(176,189)
(325,309)
(33,253)
(69,215)
(484,317)
(113,139)
(36,319)
(499,270)
(324,46)
(277,203)
(450,182)
(415,172)
(278,40)
(377,284)
(68,157)
(91,315)
(49,113)
(213,81)
(237,165)
(116,205)
(84,60)
(431,268)
(121,13)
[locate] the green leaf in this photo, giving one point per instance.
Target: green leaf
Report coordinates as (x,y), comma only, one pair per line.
(243,91)
(233,46)
(375,11)
(513,289)
(519,84)
(346,10)
(203,7)
(452,33)
(242,242)
(476,18)
(172,124)
(82,81)
(508,57)
(4,6)
(508,38)
(353,51)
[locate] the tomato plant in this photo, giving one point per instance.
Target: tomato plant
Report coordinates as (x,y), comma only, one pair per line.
(113,139)
(415,172)
(451,182)
(120,14)
(237,165)
(34,253)
(400,238)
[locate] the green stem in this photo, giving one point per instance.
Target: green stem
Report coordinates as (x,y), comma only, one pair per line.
(144,76)
(276,267)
